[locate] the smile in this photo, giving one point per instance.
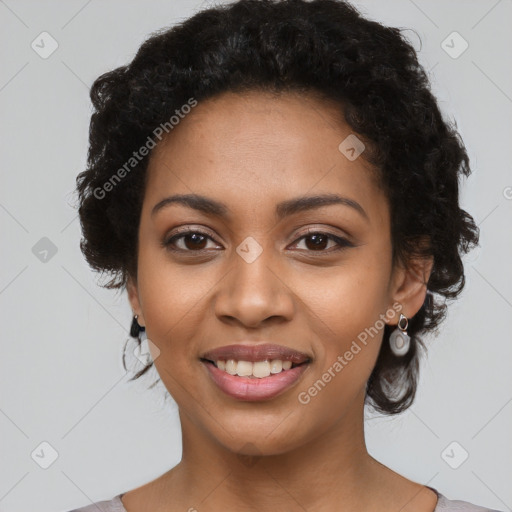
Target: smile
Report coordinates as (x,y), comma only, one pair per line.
(254,381)
(256,369)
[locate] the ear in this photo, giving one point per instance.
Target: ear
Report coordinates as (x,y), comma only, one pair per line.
(133,297)
(409,284)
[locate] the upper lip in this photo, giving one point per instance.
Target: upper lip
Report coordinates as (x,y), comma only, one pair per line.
(256,353)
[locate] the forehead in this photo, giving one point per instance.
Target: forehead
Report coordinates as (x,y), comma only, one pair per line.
(257,148)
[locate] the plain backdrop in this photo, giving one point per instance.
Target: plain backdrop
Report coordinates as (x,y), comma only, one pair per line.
(66,401)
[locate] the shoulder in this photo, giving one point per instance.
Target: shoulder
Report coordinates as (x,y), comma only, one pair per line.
(113,505)
(445,505)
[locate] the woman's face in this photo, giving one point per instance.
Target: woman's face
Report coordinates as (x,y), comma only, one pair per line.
(252,274)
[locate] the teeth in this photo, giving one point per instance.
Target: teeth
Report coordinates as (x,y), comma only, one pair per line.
(244,368)
(276,366)
(258,369)
(231,366)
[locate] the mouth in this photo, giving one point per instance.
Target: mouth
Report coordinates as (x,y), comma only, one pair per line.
(255,372)
(254,369)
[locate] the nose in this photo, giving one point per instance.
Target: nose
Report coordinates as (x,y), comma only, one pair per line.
(253,293)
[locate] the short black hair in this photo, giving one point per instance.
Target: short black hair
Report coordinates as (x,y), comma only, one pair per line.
(326,47)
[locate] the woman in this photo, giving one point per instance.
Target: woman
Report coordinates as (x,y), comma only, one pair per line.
(275,187)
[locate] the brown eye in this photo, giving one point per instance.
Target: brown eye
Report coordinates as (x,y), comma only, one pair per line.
(316,241)
(188,241)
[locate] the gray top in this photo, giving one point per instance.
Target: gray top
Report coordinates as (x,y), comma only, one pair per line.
(443,504)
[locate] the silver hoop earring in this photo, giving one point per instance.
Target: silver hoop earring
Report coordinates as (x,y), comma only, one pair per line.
(399,340)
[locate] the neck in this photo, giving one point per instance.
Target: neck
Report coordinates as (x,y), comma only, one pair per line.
(332,468)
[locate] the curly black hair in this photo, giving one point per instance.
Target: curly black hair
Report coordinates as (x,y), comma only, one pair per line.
(325,47)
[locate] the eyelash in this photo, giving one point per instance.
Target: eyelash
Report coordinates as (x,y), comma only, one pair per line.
(343,243)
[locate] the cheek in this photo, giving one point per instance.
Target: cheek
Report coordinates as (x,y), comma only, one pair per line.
(348,298)
(345,309)
(347,327)
(174,299)
(172,305)
(171,299)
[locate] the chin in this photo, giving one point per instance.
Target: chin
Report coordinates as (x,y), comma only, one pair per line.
(251,439)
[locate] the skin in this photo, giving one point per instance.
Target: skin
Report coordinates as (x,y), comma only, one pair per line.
(252,151)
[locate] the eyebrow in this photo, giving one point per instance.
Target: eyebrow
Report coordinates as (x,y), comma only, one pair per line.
(284,209)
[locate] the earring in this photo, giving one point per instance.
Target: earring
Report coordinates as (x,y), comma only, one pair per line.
(136,330)
(399,341)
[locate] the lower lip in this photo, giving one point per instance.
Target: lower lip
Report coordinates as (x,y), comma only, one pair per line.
(247,389)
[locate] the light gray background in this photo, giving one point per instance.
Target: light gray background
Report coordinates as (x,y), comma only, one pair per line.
(62,335)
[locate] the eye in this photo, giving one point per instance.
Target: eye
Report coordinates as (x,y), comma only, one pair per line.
(192,240)
(319,241)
